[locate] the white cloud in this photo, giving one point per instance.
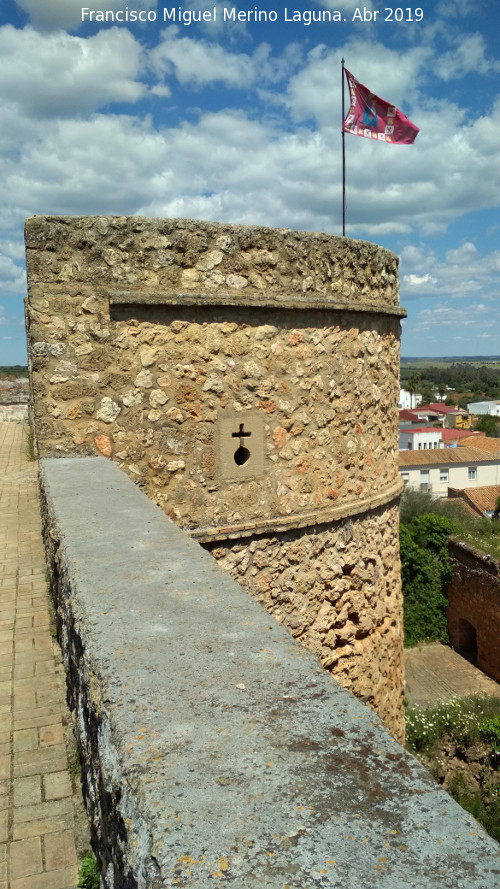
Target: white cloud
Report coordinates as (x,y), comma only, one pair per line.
(216,26)
(60,75)
(199,62)
(463,272)
(420,280)
(447,317)
(55,15)
(463,255)
(12,277)
(456,8)
(468,54)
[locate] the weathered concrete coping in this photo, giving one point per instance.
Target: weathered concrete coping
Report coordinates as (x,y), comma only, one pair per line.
(251,300)
(217,750)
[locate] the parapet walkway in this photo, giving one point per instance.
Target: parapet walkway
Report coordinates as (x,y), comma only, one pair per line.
(37,837)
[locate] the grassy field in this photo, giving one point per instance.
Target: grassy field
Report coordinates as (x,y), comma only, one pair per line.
(14,370)
(417,364)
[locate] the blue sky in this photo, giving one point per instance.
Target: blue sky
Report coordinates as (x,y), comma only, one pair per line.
(240,122)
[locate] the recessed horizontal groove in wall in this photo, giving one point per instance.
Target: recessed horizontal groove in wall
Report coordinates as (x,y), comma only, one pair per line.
(317,301)
(345,510)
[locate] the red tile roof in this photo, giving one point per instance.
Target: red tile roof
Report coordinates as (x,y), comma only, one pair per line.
(478,499)
(405,414)
(453,434)
(422,429)
(434,408)
(437,407)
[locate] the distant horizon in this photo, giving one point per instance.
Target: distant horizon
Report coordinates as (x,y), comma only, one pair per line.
(450,358)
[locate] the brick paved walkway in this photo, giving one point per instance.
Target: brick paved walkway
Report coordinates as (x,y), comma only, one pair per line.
(37,841)
(435,672)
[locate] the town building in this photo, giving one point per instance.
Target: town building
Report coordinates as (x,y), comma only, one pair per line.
(438,469)
(408,400)
(420,438)
(446,415)
(489,408)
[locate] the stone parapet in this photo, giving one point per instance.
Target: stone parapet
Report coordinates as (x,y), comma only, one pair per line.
(307,341)
(247,380)
(125,253)
(215,750)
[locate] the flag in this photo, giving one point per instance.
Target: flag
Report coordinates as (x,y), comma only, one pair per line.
(373,118)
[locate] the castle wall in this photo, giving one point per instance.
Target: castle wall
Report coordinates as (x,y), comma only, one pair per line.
(474,607)
(247,380)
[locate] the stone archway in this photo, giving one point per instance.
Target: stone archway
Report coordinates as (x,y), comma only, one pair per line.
(467,641)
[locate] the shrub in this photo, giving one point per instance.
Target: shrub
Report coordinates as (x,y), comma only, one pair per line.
(424,604)
(484,805)
(88,876)
(461,719)
(490,731)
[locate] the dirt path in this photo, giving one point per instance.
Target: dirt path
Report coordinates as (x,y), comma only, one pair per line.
(435,672)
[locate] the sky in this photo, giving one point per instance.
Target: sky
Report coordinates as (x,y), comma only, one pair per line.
(236,120)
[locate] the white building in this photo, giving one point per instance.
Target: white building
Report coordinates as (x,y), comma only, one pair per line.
(407,401)
(420,438)
(437,470)
(492,408)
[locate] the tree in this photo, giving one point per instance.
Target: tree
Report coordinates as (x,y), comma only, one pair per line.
(412,385)
(425,572)
(442,387)
(489,425)
(424,604)
(427,393)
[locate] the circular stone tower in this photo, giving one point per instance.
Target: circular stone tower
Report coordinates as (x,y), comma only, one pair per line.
(247,379)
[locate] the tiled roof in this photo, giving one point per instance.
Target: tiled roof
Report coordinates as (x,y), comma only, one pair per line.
(453,434)
(445,456)
(437,407)
(405,414)
(482,443)
(422,429)
(481,498)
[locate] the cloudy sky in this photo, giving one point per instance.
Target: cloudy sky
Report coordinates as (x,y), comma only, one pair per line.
(239,121)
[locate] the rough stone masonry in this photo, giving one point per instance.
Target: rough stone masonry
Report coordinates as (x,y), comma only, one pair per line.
(246,379)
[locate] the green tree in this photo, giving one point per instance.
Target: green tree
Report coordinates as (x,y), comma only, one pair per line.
(412,385)
(442,387)
(425,572)
(489,425)
(424,604)
(432,531)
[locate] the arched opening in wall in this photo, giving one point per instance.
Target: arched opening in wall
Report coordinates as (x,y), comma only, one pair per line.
(467,641)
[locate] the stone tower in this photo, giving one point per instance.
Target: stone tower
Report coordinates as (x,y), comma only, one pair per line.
(247,379)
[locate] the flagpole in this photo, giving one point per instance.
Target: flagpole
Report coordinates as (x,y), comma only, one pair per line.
(343,154)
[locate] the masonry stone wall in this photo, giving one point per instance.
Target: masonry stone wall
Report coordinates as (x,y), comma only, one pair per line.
(474,607)
(247,380)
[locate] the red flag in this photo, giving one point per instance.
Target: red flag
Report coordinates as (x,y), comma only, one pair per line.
(373,118)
